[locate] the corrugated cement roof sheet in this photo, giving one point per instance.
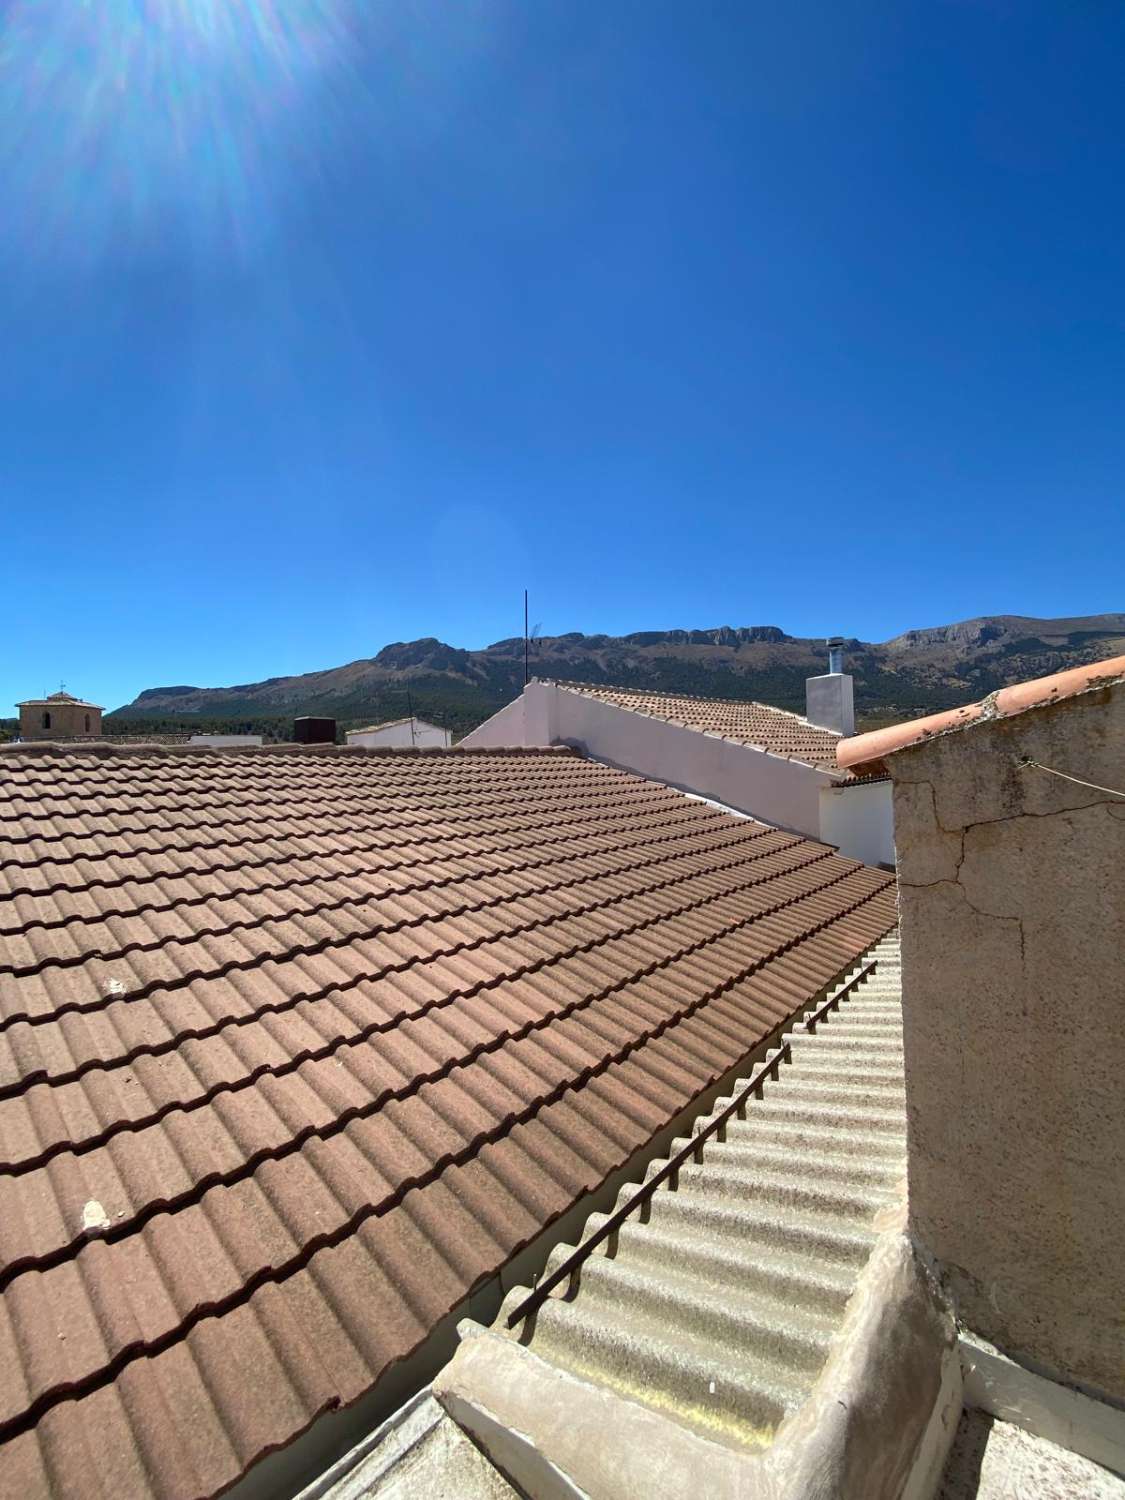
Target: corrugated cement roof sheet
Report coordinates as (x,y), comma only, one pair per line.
(297,1046)
(772,729)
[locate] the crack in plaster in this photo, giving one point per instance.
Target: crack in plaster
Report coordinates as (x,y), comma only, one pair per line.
(1055,812)
(955,882)
(980,911)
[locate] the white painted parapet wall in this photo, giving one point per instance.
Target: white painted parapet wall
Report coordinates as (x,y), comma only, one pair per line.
(504,728)
(786,793)
(859,818)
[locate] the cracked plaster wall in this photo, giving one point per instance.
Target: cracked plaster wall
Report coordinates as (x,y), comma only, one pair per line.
(1012,900)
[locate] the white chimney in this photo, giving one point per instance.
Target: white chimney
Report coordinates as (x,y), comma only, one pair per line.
(828,700)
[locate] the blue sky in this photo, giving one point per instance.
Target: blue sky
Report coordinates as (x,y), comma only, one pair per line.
(339,322)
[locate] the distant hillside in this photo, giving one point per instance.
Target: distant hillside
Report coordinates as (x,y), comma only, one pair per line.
(918,672)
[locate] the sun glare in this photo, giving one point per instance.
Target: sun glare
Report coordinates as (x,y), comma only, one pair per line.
(118,117)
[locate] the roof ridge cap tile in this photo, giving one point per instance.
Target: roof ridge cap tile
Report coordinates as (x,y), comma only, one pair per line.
(108,750)
(1003,703)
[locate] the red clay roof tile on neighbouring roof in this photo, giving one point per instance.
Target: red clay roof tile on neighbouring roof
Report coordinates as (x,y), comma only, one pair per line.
(772,729)
(296,1047)
(64,698)
(867,751)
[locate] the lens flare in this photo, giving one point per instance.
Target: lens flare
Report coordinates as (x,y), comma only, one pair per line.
(121,118)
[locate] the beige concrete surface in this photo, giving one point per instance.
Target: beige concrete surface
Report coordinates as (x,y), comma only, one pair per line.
(445,1465)
(993,1460)
(1011,1392)
(882,1413)
(1012,902)
(718,1306)
(426,1456)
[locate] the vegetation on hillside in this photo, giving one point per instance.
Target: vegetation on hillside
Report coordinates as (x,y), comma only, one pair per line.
(922,671)
(450,710)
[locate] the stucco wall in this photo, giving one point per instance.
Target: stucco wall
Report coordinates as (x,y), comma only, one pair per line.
(860,821)
(68,721)
(425,735)
(1012,899)
(504,728)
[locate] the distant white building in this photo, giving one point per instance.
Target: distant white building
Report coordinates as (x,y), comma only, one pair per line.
(778,767)
(400,732)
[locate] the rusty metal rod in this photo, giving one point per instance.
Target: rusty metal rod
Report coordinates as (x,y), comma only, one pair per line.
(694,1148)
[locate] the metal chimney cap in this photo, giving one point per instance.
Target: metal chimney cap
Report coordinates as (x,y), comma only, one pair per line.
(834,640)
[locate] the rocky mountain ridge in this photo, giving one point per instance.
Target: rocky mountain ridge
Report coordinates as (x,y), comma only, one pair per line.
(916,672)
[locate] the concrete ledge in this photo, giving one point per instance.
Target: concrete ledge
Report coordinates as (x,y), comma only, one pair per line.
(1007,1390)
(883,1415)
(559,1438)
(379,1453)
(877,1426)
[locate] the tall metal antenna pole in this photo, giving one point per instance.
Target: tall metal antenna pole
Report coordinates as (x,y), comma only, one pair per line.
(525,637)
(410,706)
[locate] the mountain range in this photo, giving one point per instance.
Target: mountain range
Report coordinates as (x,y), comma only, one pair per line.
(918,672)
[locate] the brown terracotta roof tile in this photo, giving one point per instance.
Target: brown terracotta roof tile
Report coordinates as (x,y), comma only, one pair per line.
(298,1047)
(751,723)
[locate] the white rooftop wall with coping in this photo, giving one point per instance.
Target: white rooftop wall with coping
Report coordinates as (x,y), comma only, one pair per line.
(504,728)
(859,818)
(770,787)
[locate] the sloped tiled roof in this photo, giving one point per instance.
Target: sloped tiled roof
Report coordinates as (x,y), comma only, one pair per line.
(772,729)
(297,1046)
(64,698)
